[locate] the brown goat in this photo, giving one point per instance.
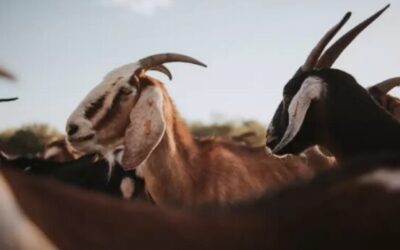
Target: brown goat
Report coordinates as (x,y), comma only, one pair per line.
(132,114)
(350,208)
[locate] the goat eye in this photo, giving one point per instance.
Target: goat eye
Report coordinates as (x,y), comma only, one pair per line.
(126,91)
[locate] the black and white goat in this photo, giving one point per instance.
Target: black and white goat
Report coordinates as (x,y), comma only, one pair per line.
(328,107)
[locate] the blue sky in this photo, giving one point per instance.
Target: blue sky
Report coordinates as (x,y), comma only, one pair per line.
(60,50)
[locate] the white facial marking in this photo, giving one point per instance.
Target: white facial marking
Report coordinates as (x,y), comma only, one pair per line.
(16,230)
(108,88)
(313,88)
(389,178)
(127,187)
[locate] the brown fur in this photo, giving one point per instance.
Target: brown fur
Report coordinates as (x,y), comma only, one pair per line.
(183,170)
(77,219)
(335,211)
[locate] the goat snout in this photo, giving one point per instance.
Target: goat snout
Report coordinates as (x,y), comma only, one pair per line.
(72,129)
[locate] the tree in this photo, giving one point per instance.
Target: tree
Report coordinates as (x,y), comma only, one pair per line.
(27,140)
(250,132)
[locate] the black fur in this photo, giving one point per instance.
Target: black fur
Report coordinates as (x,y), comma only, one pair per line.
(347,121)
(83,172)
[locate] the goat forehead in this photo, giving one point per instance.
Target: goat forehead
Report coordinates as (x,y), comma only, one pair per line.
(124,71)
(388,178)
(119,74)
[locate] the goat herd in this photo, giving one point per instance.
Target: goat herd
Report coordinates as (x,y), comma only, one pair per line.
(329,177)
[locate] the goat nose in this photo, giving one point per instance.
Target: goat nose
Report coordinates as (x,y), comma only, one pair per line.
(72,129)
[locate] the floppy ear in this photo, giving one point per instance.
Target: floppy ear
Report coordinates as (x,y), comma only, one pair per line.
(146,129)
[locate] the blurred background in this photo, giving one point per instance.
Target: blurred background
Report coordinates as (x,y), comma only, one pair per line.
(59,50)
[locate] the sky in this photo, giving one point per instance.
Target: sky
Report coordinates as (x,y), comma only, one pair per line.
(60,50)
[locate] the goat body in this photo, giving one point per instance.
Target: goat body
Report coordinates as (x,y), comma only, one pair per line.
(347,208)
(130,118)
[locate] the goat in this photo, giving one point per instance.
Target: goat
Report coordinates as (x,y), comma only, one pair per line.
(58,150)
(84,172)
(6,74)
(328,107)
(352,207)
(390,103)
(130,117)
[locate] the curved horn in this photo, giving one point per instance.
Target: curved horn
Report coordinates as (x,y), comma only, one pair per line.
(317,50)
(156,60)
(161,68)
(5,73)
(387,85)
(334,51)
(8,99)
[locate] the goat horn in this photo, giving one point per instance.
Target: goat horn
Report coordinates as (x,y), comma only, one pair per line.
(317,50)
(161,68)
(8,99)
(156,60)
(387,85)
(5,73)
(334,51)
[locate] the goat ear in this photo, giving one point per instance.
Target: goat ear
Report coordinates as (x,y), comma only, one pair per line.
(147,127)
(313,88)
